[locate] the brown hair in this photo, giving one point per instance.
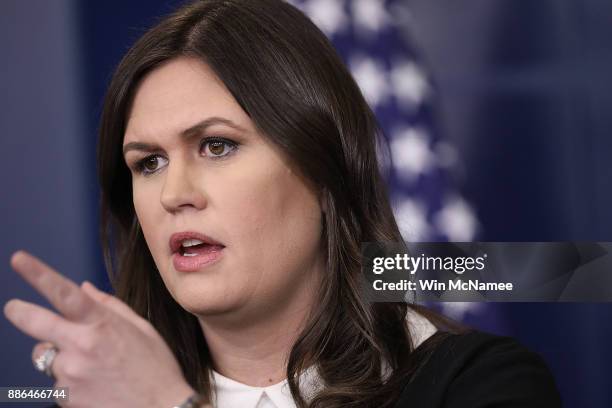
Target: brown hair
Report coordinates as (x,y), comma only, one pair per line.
(287,77)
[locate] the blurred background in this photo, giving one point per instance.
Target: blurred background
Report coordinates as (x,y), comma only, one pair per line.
(497,113)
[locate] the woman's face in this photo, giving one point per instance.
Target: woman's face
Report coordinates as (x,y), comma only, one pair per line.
(236,188)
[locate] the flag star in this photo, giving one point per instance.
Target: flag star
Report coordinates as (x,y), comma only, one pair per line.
(411,153)
(370,15)
(328,15)
(458,310)
(372,79)
(409,83)
(411,217)
(456,220)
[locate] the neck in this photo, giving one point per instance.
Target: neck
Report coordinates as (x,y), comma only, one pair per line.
(255,356)
(254,350)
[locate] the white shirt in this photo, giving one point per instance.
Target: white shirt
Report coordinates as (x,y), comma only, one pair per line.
(232,394)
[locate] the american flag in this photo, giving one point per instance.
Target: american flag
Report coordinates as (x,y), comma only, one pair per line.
(373,39)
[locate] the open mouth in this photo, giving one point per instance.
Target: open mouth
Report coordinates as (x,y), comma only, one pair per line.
(199,249)
(192,251)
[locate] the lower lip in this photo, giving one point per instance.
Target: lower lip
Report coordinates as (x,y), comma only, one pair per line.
(197,262)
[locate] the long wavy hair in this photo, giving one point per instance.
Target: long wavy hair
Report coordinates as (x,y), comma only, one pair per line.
(288,78)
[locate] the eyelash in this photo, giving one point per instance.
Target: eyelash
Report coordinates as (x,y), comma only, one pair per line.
(139,167)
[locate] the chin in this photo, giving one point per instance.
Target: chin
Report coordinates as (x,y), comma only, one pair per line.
(205,303)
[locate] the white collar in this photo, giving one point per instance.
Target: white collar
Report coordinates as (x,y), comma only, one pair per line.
(229,393)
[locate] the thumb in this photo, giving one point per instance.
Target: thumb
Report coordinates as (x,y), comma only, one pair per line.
(116,305)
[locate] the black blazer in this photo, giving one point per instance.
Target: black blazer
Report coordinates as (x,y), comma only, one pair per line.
(478,370)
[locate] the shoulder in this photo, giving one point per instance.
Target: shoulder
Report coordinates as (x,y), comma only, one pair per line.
(478,369)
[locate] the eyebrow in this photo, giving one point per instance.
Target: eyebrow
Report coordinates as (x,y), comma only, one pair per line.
(186,134)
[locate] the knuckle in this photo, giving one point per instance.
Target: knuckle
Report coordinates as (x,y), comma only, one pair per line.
(72,371)
(68,370)
(76,302)
(64,292)
(93,337)
(87,343)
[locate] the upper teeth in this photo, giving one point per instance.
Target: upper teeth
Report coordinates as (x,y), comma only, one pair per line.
(192,242)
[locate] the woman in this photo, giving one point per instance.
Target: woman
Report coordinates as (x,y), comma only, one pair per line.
(237,161)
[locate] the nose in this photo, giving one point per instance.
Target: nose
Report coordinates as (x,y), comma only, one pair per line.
(182,189)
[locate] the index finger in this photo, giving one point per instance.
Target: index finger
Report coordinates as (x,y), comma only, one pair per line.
(65,295)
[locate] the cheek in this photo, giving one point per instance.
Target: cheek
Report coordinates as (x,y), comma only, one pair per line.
(143,198)
(276,220)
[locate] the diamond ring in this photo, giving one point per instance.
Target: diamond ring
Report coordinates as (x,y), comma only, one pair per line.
(44,362)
